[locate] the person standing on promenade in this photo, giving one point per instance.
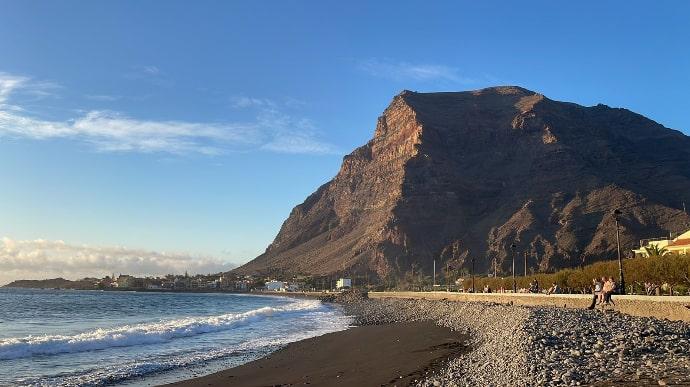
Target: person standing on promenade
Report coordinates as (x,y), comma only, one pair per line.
(596,292)
(604,287)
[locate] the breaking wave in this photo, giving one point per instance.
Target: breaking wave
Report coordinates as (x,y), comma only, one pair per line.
(141,334)
(158,364)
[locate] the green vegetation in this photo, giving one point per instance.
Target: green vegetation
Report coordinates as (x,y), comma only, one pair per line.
(655,251)
(670,273)
(671,270)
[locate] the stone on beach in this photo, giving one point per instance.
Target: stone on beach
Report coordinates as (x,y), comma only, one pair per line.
(522,346)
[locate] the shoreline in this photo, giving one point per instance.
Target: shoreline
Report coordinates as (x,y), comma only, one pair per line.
(502,345)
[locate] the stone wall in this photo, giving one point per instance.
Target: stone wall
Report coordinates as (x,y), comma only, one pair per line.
(671,308)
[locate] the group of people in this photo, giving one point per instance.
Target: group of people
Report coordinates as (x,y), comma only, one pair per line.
(534,288)
(650,288)
(603,290)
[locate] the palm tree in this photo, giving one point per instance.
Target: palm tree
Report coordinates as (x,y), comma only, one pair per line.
(655,251)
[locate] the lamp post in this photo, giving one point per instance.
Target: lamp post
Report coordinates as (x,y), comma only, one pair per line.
(434,285)
(473,274)
(512,247)
(495,266)
(616,215)
(525,264)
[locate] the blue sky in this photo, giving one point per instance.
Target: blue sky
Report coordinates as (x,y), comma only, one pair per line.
(191,129)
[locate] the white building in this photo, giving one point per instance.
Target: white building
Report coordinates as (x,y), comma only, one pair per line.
(293,288)
(343,283)
(275,286)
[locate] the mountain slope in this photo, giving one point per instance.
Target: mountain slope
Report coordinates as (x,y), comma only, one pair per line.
(450,176)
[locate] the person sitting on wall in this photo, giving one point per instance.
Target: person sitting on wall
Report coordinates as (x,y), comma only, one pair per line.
(609,289)
(554,289)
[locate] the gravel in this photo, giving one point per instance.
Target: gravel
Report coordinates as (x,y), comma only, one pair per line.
(543,346)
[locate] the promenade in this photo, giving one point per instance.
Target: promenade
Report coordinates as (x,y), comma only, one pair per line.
(674,308)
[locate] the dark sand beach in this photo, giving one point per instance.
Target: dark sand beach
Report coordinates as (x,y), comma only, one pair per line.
(390,354)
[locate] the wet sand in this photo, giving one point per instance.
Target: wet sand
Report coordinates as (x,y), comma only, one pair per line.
(375,355)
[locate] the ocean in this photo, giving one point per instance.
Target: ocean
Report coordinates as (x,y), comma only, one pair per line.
(96,338)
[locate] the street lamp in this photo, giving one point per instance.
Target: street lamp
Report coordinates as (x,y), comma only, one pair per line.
(472,274)
(512,247)
(495,263)
(616,215)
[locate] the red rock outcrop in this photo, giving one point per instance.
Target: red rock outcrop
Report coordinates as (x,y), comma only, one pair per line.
(450,176)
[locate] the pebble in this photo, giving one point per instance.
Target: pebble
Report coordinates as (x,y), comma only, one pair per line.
(546,346)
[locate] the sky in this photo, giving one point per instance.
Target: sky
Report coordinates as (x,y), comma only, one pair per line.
(150,137)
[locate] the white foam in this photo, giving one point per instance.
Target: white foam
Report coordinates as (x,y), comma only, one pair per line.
(328,321)
(140,334)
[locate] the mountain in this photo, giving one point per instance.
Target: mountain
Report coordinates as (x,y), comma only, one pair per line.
(464,175)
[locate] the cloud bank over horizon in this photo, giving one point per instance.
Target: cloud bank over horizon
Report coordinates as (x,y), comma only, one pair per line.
(43,259)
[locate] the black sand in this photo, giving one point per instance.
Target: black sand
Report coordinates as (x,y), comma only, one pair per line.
(376,355)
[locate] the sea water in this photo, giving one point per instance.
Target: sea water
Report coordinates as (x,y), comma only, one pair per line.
(93,338)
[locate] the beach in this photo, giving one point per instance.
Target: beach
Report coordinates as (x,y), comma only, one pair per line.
(397,354)
(499,345)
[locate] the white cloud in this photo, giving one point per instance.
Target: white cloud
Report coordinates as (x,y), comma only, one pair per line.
(112,132)
(251,102)
(9,83)
(298,144)
(292,136)
(147,71)
(103,97)
(116,132)
(404,71)
(151,70)
(41,259)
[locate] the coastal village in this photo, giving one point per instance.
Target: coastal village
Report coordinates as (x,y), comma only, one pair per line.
(225,282)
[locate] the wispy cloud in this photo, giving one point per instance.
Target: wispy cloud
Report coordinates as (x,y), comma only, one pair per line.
(150,74)
(9,83)
(405,71)
(113,132)
(244,102)
(151,70)
(18,84)
(40,259)
(292,135)
(146,71)
(103,97)
(272,129)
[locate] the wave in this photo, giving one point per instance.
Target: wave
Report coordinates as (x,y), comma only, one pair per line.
(141,334)
(157,364)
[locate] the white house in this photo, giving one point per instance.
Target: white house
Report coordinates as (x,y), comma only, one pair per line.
(678,245)
(343,283)
(275,286)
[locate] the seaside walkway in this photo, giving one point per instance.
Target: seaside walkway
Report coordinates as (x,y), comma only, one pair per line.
(663,307)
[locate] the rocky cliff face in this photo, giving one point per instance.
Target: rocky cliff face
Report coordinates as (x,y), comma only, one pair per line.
(450,176)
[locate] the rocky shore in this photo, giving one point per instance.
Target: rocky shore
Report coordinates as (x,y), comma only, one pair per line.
(526,346)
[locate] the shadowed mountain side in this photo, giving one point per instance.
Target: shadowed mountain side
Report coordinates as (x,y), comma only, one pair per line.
(453,175)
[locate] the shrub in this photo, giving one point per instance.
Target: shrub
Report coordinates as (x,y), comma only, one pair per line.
(670,269)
